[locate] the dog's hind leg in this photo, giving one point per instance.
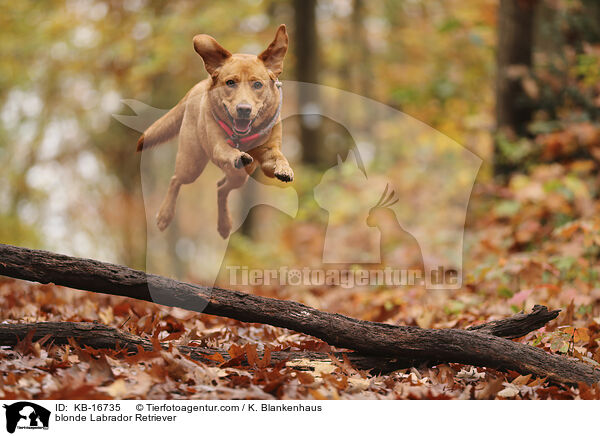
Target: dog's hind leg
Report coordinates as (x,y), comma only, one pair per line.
(189,164)
(167,208)
(232,180)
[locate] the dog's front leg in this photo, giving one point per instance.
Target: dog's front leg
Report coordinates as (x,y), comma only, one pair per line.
(273,162)
(227,157)
(271,159)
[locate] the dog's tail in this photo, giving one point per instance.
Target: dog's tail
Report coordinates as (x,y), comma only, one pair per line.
(163,129)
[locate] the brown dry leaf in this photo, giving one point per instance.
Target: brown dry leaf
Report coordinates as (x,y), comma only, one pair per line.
(521,380)
(305,378)
(469,375)
(509,391)
(117,389)
(490,389)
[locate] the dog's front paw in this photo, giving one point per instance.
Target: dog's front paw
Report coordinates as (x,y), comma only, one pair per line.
(242,160)
(284,173)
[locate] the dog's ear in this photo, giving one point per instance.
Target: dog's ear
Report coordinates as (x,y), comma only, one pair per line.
(212,53)
(273,56)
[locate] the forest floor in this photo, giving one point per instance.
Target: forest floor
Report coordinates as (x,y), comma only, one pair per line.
(534,241)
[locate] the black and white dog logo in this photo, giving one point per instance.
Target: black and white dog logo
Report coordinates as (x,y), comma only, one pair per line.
(26,415)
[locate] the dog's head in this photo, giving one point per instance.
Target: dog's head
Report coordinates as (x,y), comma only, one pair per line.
(243,88)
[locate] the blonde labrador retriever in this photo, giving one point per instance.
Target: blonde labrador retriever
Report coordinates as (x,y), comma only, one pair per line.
(232,118)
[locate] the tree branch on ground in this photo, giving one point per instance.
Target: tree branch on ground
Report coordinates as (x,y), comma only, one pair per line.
(100,336)
(405,343)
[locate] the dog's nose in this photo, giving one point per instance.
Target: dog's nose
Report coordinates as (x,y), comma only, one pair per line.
(243,110)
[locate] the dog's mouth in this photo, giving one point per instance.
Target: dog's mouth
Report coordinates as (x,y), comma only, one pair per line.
(242,126)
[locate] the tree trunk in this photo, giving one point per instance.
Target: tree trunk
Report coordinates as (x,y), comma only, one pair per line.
(306,47)
(514,60)
(360,67)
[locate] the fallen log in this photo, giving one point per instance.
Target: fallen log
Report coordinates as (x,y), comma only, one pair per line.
(101,336)
(368,338)
(517,325)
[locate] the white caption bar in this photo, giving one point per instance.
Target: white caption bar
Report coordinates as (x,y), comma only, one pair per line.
(462,418)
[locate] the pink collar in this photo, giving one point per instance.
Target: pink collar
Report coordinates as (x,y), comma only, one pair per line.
(239,141)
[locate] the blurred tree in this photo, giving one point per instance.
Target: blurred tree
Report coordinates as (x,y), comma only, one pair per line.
(360,62)
(514,61)
(552,114)
(306,47)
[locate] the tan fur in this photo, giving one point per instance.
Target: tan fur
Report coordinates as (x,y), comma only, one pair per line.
(165,128)
(200,137)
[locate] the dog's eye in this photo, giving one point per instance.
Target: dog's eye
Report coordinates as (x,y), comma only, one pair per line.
(230,83)
(257,85)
